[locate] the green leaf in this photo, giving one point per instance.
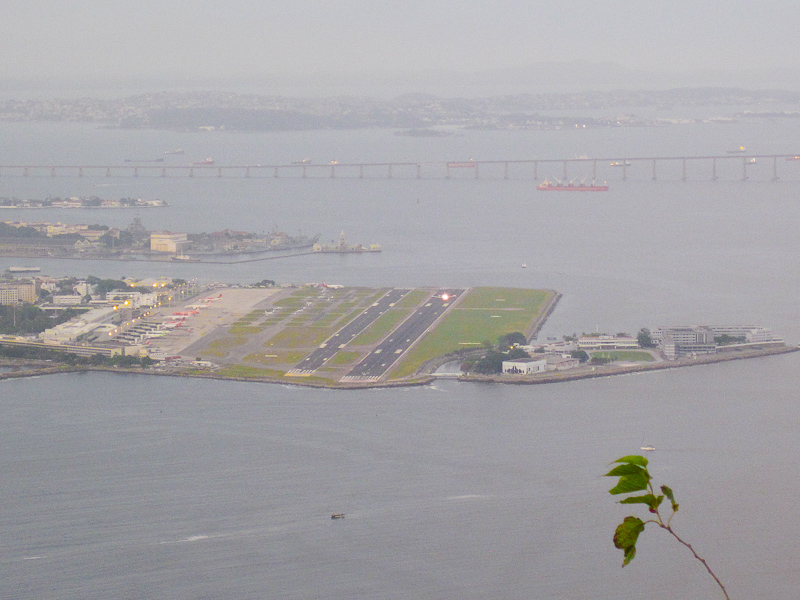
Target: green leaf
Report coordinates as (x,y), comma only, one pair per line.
(630,554)
(653,502)
(634,459)
(626,536)
(669,494)
(648,499)
(635,482)
(627,469)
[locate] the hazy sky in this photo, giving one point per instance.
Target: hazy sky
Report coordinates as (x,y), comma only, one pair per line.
(109,38)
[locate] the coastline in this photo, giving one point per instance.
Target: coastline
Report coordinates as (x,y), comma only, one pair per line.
(40,368)
(142,258)
(612,369)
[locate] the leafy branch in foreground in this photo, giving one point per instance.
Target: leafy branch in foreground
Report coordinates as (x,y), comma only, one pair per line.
(634,477)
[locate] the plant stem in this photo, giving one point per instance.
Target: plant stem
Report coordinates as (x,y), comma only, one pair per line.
(698,557)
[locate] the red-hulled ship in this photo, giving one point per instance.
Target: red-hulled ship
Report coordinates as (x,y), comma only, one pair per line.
(549,186)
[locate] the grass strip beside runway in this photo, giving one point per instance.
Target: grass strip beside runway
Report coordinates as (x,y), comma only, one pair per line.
(483,315)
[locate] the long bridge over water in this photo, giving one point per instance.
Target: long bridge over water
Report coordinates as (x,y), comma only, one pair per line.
(734,165)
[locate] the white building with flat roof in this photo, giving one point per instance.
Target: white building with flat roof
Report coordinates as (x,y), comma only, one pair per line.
(524,366)
(607,342)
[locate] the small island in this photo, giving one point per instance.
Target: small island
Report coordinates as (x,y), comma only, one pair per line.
(97,241)
(81,202)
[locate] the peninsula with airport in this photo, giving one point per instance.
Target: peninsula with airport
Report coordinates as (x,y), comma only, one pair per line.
(327,335)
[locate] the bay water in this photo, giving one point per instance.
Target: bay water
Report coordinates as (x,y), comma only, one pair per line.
(148,487)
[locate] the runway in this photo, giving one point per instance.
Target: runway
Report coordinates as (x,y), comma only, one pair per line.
(345,335)
(381,359)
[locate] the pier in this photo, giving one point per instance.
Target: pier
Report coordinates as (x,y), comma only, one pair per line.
(727,166)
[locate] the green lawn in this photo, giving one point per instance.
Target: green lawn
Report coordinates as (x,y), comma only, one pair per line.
(343,358)
(623,355)
(382,325)
(299,337)
(483,315)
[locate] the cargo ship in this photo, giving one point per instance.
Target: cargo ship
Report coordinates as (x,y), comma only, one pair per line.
(549,186)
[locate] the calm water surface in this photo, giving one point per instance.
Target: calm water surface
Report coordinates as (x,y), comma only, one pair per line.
(137,487)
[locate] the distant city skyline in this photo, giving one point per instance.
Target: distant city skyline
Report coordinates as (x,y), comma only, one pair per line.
(303,40)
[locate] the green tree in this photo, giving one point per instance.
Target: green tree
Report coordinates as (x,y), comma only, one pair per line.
(490,364)
(581,355)
(510,339)
(634,477)
(644,339)
(516,353)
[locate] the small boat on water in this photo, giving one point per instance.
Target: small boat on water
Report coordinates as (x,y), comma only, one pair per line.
(184,258)
(207,161)
(337,516)
(571,186)
(621,163)
(176,151)
(24,269)
(647,448)
(793,157)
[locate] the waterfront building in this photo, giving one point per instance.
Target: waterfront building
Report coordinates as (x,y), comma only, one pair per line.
(682,341)
(166,241)
(524,366)
(561,363)
(607,342)
(752,334)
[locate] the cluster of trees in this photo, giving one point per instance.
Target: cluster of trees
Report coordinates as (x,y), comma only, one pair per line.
(644,339)
(104,286)
(507,348)
(124,240)
(73,359)
(24,319)
(264,283)
(7,230)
